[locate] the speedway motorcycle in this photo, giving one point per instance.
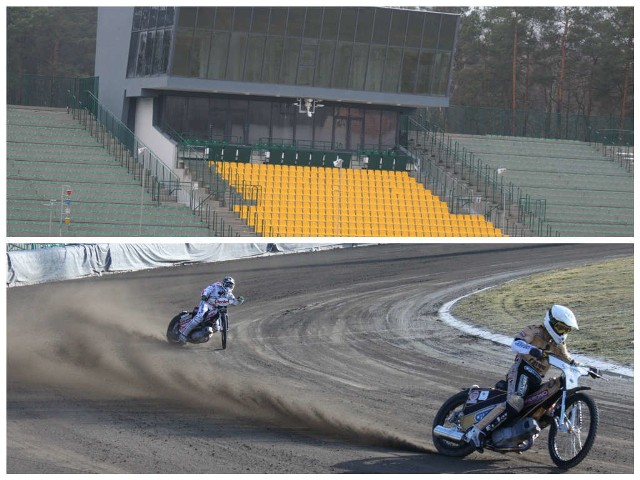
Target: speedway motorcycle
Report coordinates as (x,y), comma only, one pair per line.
(559,404)
(205,330)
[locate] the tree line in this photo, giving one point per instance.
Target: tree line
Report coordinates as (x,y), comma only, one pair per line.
(549,59)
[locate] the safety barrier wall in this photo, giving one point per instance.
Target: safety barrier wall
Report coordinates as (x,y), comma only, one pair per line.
(68,262)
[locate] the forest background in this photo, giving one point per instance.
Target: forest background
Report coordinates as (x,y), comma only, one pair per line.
(547,59)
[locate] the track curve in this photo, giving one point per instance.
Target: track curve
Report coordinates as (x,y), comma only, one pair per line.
(337,362)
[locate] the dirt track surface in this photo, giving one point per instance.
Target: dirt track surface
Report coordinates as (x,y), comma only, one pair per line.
(337,362)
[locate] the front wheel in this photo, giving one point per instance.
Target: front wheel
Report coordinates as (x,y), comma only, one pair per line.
(571,437)
(224,328)
(449,416)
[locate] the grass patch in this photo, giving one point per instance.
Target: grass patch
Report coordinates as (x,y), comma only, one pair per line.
(600,294)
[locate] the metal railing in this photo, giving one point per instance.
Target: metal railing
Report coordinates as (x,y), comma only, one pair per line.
(468,185)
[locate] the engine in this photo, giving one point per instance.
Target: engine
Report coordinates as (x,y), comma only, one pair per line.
(510,437)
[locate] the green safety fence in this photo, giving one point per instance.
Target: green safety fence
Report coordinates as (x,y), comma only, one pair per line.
(48,91)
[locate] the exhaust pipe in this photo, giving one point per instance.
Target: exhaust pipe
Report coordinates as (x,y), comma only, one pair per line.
(448,433)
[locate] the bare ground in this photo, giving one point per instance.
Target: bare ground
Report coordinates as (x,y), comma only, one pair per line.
(336,363)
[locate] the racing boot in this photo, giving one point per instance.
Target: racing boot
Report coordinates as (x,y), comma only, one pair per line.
(182,339)
(476,437)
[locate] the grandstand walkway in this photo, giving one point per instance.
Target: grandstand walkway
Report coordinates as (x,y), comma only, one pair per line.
(586,194)
(56,170)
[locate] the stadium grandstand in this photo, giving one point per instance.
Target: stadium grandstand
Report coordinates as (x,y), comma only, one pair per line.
(287,122)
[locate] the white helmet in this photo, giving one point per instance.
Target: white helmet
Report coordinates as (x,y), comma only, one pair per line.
(559,321)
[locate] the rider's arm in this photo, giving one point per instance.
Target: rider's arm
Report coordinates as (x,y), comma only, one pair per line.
(525,348)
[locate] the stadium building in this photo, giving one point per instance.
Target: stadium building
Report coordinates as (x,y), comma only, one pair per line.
(330,77)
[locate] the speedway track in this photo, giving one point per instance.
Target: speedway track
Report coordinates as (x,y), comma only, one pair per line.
(336,363)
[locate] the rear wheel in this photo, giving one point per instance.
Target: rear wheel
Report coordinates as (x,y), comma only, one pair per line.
(172,330)
(224,328)
(571,437)
(449,416)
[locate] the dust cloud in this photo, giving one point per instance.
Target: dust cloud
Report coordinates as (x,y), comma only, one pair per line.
(107,347)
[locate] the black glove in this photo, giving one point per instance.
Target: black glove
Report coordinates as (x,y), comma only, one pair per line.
(594,372)
(240,299)
(536,353)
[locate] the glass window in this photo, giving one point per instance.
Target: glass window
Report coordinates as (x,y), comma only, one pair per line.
(340,132)
(414,30)
(145,18)
(323,127)
(398,27)
(392,70)
(187,17)
(142,45)
(307,66)
(330,22)
(242,19)
(184,38)
(148,52)
(425,72)
(282,118)
(260,120)
(295,22)
(324,66)
(272,59)
(409,68)
(447,32)
(431,31)
(133,55)
(224,18)
(381,26)
(441,73)
(341,65)
(289,68)
(206,16)
(354,141)
(278,21)
(166,50)
(153,18)
(198,117)
(162,17)
(200,54)
(364,26)
(372,127)
(171,13)
(260,22)
(255,54)
(304,128)
(375,68)
(388,126)
(313,22)
(358,66)
(158,53)
(218,55)
(348,24)
(137,18)
(237,52)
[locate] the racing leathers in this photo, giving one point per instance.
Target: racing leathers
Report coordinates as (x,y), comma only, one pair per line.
(212,297)
(525,375)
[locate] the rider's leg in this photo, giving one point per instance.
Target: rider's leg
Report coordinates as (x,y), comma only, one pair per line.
(517,386)
(186,327)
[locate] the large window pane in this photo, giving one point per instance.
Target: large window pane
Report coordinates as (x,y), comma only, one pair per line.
(347,24)
(272,59)
(323,127)
(304,128)
(307,67)
(381,26)
(137,18)
(166,50)
(295,22)
(205,17)
(431,31)
(158,53)
(255,54)
(392,70)
(133,54)
(425,72)
(358,66)
(142,45)
(324,67)
(313,22)
(398,28)
(224,18)
(242,19)
(364,27)
(260,22)
(375,68)
(414,30)
(389,124)
(282,118)
(409,68)
(278,21)
(441,73)
(447,32)
(289,68)
(330,23)
(372,127)
(260,120)
(218,55)
(237,53)
(341,65)
(187,17)
(198,117)
(200,53)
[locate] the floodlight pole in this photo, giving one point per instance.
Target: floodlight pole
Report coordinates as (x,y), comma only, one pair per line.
(500,171)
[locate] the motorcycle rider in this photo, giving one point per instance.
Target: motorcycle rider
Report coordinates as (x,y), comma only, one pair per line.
(213,296)
(530,365)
